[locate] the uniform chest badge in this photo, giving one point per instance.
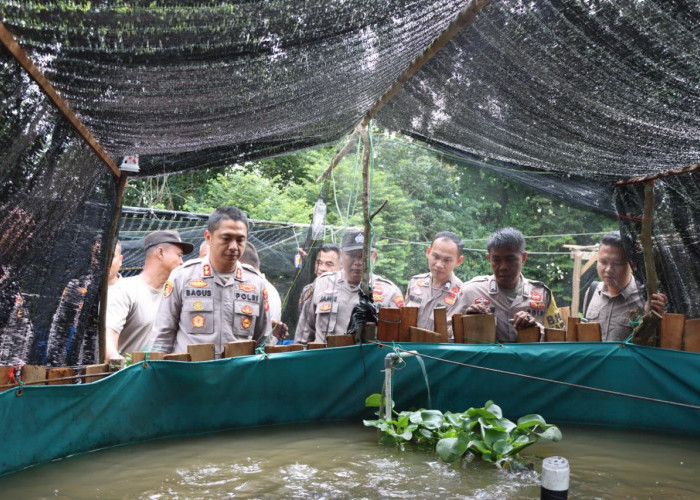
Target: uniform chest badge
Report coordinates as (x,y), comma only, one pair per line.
(377,297)
(536,296)
(198,321)
(378,290)
(245,323)
(197,305)
(206,270)
(325,307)
(247,287)
(239,274)
(482,301)
(449,300)
(167,289)
(198,283)
(536,305)
(398,300)
(246,309)
(417,291)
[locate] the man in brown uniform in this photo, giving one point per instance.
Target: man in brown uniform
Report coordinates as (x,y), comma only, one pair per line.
(440,287)
(327,260)
(335,294)
(214,299)
(617,299)
(516,301)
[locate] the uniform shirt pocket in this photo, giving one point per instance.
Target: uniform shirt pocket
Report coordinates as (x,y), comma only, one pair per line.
(201,315)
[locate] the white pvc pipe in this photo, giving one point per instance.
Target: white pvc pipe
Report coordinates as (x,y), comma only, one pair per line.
(555,478)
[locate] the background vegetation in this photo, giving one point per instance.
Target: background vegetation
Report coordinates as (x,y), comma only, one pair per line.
(426,192)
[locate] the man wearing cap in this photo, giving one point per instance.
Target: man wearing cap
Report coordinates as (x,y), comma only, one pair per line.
(335,294)
(132,302)
(215,299)
(440,287)
(514,300)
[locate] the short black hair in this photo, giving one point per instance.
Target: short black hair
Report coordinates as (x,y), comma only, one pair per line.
(615,239)
(506,237)
(250,256)
(329,247)
(449,235)
(225,213)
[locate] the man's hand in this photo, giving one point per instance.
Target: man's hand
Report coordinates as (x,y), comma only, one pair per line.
(657,303)
(478,309)
(280,330)
(523,319)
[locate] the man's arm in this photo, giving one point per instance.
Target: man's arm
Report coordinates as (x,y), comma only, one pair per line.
(263,325)
(307,318)
(118,307)
(111,345)
(167,322)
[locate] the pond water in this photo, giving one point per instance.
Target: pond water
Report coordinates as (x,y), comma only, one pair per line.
(345,461)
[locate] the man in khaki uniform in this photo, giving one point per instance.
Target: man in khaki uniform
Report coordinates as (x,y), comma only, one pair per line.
(617,299)
(327,260)
(516,301)
(440,287)
(214,299)
(335,294)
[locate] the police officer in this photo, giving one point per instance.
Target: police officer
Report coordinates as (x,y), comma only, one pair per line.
(516,301)
(439,287)
(327,260)
(214,299)
(335,294)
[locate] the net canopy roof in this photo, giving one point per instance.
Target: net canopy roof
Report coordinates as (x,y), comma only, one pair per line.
(588,87)
(566,96)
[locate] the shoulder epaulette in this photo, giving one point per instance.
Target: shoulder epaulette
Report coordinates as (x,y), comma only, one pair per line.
(423,275)
(191,262)
(477,279)
(250,268)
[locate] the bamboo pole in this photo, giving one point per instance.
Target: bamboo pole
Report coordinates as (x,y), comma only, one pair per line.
(366,245)
(668,173)
(21,57)
(352,141)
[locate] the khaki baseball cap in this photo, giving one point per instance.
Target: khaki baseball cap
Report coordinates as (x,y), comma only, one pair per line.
(168,236)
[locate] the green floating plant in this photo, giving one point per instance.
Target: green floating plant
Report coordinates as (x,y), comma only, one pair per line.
(483,432)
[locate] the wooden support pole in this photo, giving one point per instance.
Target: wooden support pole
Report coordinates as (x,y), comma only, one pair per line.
(691,337)
(239,348)
(201,352)
(389,324)
(367,229)
(343,340)
(576,285)
(91,370)
(33,374)
(571,331)
(457,328)
(652,282)
(21,57)
(352,141)
(554,335)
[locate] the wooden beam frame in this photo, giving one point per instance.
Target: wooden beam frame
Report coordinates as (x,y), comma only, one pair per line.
(21,57)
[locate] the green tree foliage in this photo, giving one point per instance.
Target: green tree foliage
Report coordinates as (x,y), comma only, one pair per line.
(426,191)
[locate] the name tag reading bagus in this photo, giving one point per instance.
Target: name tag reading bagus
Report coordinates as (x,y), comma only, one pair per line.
(197,293)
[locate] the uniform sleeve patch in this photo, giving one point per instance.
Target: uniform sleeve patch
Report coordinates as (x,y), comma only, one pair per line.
(167,289)
(398,300)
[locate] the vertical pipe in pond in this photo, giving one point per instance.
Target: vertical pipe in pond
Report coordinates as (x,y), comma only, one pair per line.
(555,478)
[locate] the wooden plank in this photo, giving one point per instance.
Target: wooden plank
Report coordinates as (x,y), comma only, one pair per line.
(273,349)
(342,340)
(565,313)
(671,331)
(691,339)
(52,374)
(295,347)
(389,324)
(416,334)
(201,352)
(479,328)
(571,330)
(554,335)
(409,318)
(177,356)
(529,334)
(116,364)
(5,378)
(317,345)
(440,319)
(432,337)
(588,332)
(239,348)
(33,373)
(139,356)
(91,369)
(457,328)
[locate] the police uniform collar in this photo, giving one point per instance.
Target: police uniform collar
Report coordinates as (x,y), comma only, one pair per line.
(526,286)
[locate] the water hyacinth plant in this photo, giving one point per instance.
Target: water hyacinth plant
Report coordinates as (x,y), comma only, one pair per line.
(482,432)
